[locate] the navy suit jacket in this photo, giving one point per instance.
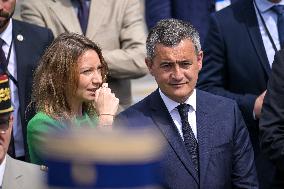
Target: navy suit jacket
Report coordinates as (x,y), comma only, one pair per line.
(272,119)
(28,53)
(235,62)
(197,12)
(236,66)
(225,152)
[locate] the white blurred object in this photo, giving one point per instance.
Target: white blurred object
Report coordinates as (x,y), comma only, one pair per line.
(220,4)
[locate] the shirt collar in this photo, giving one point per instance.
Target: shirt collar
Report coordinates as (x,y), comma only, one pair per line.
(6,35)
(2,170)
(171,105)
(265,5)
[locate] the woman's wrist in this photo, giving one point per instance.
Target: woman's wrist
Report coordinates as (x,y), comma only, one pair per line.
(106,119)
(106,114)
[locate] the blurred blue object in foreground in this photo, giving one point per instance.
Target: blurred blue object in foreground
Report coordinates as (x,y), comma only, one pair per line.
(104,159)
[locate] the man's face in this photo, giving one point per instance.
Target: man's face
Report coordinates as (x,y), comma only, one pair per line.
(7,8)
(176,69)
(6,122)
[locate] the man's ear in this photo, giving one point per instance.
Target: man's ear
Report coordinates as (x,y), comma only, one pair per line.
(11,120)
(149,64)
(200,59)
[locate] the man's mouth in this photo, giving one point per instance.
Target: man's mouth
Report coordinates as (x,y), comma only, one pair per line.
(178,84)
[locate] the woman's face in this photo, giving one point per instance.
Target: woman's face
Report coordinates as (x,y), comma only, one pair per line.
(90,76)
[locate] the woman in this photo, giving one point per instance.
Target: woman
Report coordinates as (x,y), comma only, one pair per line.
(69,89)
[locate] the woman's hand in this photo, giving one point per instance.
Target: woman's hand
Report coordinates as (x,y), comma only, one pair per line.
(106,105)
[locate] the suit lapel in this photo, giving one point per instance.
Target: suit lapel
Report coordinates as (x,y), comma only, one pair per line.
(13,178)
(66,15)
(97,12)
(22,60)
(254,32)
(203,124)
(164,122)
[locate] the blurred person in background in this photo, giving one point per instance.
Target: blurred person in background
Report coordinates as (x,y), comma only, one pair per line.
(117,26)
(70,90)
(238,55)
(13,173)
(271,123)
(21,46)
(196,12)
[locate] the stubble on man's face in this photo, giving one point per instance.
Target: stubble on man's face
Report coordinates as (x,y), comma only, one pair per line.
(274,1)
(6,12)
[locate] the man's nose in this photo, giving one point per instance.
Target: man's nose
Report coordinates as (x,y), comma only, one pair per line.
(177,72)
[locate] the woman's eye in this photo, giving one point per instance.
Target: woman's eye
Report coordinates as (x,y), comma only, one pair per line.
(86,72)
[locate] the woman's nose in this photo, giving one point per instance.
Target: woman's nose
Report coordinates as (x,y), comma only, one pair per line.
(97,77)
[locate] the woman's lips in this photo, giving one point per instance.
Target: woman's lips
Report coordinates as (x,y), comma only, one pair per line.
(93,90)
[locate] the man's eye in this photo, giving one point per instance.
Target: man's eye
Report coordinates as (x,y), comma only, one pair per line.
(185,64)
(166,65)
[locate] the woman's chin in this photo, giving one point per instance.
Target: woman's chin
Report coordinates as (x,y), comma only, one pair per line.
(89,98)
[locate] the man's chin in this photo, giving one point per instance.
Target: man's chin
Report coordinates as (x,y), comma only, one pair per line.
(3,24)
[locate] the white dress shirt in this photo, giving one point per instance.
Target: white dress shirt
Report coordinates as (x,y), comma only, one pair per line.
(6,35)
(2,170)
(220,4)
(270,19)
(172,109)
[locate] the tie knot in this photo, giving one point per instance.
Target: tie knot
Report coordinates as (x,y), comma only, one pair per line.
(183,110)
(278,9)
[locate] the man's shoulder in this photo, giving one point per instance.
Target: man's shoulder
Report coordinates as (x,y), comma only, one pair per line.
(28,26)
(32,35)
(235,10)
(140,110)
(31,175)
(143,104)
(212,100)
(23,165)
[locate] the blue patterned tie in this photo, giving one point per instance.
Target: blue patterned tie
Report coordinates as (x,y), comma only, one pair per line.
(189,138)
(83,15)
(279,10)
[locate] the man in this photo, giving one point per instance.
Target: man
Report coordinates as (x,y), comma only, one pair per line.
(239,51)
(117,26)
(272,120)
(208,143)
(22,46)
(194,11)
(13,173)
